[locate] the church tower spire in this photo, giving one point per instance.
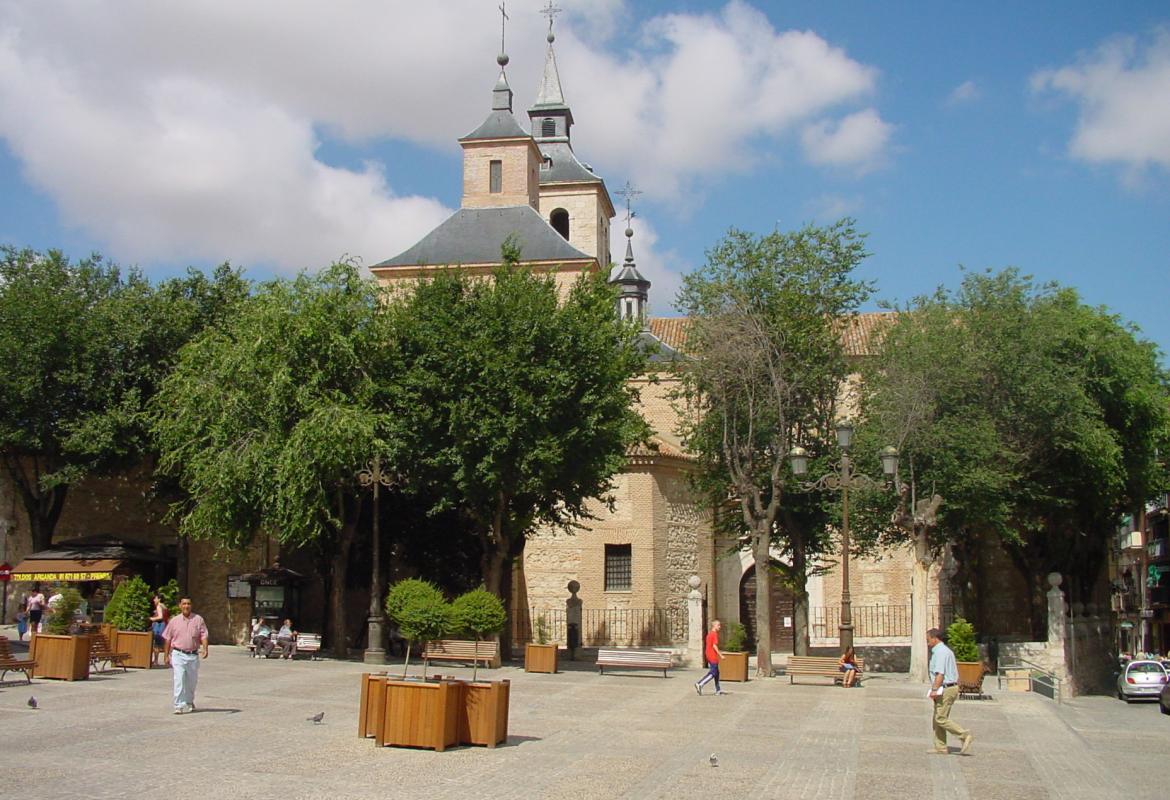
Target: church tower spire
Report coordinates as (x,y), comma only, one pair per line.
(573,199)
(634,288)
(550,115)
(501,162)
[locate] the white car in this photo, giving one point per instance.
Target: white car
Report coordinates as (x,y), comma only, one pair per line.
(1141,679)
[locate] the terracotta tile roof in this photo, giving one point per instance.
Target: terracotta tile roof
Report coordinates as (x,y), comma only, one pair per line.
(659,448)
(860,333)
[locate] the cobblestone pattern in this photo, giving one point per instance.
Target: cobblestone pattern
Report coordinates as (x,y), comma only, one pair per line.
(572,735)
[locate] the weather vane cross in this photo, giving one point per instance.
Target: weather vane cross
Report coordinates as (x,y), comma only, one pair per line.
(629,192)
(503,23)
(550,11)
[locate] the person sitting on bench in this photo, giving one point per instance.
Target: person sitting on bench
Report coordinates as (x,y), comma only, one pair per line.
(848,665)
(262,638)
(286,640)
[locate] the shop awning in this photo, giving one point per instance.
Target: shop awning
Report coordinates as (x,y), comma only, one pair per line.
(65,569)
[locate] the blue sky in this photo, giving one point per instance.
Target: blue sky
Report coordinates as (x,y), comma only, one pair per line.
(280,135)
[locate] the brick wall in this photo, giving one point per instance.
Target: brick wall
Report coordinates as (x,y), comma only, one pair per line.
(520,163)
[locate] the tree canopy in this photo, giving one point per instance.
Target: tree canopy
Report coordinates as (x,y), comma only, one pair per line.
(266,419)
(1033,415)
(765,374)
(517,403)
(83,346)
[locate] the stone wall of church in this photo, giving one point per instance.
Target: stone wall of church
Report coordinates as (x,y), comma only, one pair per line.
(520,164)
(588,227)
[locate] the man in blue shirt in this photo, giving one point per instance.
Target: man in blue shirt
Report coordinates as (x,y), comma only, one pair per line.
(944,690)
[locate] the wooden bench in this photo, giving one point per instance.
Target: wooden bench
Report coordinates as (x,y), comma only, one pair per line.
(10,663)
(635,659)
(308,644)
(100,651)
(463,650)
(821,666)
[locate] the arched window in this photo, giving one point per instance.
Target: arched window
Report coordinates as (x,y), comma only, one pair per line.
(559,219)
(548,127)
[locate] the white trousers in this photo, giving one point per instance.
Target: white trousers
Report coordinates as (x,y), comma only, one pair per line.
(185,669)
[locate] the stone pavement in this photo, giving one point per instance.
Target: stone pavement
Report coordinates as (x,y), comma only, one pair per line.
(572,735)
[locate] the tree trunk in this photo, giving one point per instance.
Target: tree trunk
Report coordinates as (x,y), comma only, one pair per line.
(761,552)
(800,638)
(919,619)
(338,574)
(496,565)
(42,506)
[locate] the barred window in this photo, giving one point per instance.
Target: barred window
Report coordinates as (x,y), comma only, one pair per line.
(618,562)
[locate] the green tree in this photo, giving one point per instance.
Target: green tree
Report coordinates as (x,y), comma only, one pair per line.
(766,369)
(82,348)
(1033,416)
(421,613)
(961,640)
(517,406)
(64,612)
(480,613)
(129,608)
(266,419)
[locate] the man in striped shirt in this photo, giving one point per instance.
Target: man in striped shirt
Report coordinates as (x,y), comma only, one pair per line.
(186,640)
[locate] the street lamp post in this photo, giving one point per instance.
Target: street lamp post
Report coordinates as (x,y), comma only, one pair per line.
(843,478)
(373,476)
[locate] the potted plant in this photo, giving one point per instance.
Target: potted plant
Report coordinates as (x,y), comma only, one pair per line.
(734,666)
(483,714)
(421,613)
(129,614)
(60,653)
(961,640)
(419,713)
(540,656)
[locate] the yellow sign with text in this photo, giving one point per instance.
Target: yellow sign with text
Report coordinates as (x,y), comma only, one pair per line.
(62,576)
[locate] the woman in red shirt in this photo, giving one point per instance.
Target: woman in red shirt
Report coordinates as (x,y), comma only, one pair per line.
(714,655)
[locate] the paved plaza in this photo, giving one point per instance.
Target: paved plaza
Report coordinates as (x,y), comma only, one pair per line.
(572,735)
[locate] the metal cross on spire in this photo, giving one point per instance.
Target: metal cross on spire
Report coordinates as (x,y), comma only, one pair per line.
(629,192)
(551,11)
(503,23)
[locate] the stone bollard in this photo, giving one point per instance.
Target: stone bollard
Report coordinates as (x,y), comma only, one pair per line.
(573,620)
(694,623)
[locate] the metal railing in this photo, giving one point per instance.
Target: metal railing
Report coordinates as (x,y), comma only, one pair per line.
(607,627)
(876,621)
(1040,680)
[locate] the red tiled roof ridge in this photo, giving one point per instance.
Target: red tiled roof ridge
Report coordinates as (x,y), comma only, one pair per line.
(859,336)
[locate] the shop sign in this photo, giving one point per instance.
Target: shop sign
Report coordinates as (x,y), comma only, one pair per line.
(67,577)
(5,572)
(237,588)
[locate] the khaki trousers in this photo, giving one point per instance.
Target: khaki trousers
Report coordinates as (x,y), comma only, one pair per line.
(943,724)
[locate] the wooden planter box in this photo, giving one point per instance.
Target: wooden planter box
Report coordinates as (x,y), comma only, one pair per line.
(971,677)
(483,714)
(540,658)
(111,634)
(734,667)
(139,645)
(420,714)
(373,704)
(64,658)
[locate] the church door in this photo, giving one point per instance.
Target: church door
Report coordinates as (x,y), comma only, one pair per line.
(782,604)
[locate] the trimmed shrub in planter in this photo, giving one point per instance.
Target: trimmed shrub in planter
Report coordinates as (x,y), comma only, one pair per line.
(483,713)
(421,613)
(734,666)
(961,640)
(540,656)
(479,613)
(129,613)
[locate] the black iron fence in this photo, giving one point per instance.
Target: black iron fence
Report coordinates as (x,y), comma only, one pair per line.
(606,627)
(876,621)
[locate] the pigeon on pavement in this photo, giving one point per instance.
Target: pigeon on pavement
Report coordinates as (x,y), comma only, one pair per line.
(714,760)
(32,702)
(316,718)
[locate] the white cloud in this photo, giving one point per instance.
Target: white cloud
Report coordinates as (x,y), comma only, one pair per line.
(175,132)
(1123,93)
(858,140)
(829,208)
(965,92)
